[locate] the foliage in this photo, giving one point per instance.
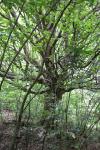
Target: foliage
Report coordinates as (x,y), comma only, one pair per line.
(50,62)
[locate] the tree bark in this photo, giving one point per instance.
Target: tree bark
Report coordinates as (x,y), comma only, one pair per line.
(52,98)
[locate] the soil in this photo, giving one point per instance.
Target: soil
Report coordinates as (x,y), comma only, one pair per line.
(36,138)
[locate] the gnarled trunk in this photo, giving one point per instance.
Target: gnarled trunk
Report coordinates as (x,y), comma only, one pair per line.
(52,98)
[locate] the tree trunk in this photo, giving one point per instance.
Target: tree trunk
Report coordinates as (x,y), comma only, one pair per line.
(52,98)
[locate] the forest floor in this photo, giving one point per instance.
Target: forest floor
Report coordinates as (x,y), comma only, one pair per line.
(34,138)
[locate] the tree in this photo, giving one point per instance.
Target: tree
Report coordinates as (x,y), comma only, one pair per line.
(49,44)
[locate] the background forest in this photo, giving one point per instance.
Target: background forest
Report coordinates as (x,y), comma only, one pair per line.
(49,75)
